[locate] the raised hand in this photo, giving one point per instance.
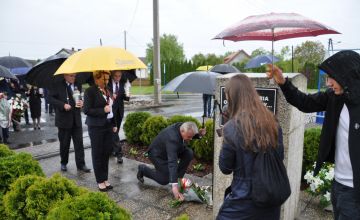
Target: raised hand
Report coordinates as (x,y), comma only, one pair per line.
(274,72)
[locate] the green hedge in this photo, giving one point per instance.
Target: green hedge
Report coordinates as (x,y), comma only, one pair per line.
(204,147)
(152,128)
(93,205)
(133,126)
(5,151)
(182,118)
(15,199)
(17,165)
(46,193)
(311,147)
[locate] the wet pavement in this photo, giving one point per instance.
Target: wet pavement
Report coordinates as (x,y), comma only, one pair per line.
(144,201)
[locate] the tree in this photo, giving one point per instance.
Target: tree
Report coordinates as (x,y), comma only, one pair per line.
(170,49)
(199,59)
(259,51)
(285,53)
(310,52)
(208,59)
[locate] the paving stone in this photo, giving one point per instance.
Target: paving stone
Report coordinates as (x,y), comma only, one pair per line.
(151,213)
(131,205)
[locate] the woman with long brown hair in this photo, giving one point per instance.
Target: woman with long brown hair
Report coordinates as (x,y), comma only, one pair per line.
(251,128)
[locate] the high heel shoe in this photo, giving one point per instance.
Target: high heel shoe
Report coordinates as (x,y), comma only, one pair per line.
(102,189)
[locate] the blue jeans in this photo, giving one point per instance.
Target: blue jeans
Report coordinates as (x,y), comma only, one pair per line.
(345,204)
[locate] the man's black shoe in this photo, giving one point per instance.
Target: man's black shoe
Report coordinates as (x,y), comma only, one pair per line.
(120,159)
(84,169)
(63,167)
(140,175)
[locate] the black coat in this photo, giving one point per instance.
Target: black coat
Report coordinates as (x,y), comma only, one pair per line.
(94,104)
(118,105)
(235,159)
(58,97)
(35,102)
(344,67)
(167,145)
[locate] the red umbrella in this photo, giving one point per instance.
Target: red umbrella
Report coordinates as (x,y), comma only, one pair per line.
(273,27)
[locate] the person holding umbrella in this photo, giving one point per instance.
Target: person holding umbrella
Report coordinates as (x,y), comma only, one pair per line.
(339,142)
(101,126)
(68,120)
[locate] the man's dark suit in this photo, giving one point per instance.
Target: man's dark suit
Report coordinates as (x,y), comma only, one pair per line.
(100,131)
(68,123)
(118,110)
(164,152)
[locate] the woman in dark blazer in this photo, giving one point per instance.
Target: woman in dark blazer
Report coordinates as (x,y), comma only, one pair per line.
(251,128)
(101,125)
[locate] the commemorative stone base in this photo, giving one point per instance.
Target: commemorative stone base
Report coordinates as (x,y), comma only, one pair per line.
(292,123)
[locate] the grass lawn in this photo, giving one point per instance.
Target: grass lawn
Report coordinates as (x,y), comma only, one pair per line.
(145,90)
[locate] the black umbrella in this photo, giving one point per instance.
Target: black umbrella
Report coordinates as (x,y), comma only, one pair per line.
(42,74)
(224,69)
(128,75)
(11,62)
(5,72)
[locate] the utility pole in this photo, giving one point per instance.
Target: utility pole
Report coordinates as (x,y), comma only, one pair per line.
(156,53)
(125,40)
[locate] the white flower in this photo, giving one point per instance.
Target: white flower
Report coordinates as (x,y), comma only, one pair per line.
(327,196)
(330,174)
(308,176)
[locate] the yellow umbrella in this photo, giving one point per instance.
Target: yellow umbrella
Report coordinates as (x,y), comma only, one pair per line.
(100,58)
(204,68)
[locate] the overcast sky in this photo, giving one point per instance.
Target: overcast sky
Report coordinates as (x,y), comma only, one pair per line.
(35,29)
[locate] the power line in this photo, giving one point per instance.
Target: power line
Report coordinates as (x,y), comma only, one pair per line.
(133,17)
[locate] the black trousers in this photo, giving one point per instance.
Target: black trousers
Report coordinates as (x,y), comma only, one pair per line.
(101,146)
(116,146)
(65,135)
(345,202)
(161,172)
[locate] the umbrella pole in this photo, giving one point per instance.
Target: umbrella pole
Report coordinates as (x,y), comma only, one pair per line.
(272,56)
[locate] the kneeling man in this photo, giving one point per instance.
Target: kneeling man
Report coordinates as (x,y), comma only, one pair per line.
(170,155)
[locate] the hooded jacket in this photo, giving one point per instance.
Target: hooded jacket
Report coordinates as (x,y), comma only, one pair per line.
(344,68)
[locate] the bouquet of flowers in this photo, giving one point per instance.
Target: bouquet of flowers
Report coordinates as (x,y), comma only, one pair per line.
(192,192)
(18,105)
(320,185)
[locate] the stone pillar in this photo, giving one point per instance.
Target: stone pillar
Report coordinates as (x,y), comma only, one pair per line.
(292,123)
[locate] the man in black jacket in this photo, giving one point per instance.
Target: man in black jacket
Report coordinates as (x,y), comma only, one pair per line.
(340,135)
(68,121)
(117,91)
(169,147)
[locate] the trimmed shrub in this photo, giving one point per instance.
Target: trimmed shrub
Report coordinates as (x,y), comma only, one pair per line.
(152,127)
(133,126)
(15,199)
(182,118)
(12,167)
(93,205)
(311,147)
(2,208)
(5,151)
(204,147)
(46,193)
